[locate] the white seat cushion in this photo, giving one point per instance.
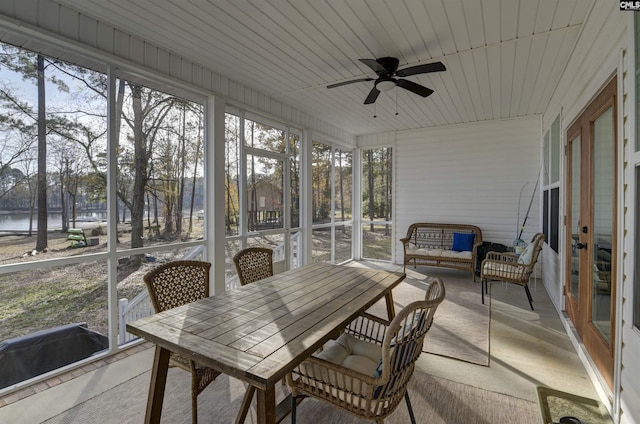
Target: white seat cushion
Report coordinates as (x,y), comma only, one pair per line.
(352,353)
(434,253)
(454,254)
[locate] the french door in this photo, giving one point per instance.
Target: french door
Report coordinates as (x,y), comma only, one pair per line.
(591,228)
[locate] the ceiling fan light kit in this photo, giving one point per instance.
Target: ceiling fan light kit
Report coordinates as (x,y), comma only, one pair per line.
(387,70)
(386,85)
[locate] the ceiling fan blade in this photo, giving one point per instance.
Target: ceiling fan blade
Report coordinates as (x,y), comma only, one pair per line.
(348,82)
(373,64)
(420,90)
(373,95)
(421,69)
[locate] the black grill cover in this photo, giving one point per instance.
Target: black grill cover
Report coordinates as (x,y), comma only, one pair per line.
(22,358)
(483,249)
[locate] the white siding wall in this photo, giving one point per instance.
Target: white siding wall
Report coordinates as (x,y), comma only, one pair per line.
(630,345)
(29,22)
(470,174)
(599,53)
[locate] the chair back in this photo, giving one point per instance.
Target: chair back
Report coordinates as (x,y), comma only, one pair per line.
(253,264)
(403,341)
(177,283)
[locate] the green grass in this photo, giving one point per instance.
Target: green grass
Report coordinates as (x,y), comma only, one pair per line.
(42,299)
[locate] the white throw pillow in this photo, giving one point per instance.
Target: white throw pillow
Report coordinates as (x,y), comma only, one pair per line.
(526,256)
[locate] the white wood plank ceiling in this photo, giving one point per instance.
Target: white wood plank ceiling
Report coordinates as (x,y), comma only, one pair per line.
(503,57)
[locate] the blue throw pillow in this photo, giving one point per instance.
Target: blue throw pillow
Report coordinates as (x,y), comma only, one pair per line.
(463,242)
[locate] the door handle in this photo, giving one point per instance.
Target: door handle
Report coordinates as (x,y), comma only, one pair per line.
(581,245)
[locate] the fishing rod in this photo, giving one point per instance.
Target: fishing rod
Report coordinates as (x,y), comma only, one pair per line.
(530,203)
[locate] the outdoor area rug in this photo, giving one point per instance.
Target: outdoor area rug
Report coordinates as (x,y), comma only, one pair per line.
(555,404)
(461,324)
(434,400)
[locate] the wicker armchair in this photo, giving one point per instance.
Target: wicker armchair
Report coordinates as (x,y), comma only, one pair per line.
(511,268)
(366,370)
(253,264)
(175,284)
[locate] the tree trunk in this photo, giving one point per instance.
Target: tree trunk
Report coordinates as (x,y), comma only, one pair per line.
(370,180)
(183,165)
(63,206)
(140,177)
(193,185)
(41,241)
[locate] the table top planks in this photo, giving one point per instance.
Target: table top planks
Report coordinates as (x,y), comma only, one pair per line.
(259,332)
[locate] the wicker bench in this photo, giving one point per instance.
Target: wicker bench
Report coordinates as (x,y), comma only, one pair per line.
(432,244)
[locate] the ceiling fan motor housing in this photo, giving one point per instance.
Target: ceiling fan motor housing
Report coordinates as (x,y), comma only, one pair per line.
(390,65)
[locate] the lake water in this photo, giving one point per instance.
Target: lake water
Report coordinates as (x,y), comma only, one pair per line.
(20,221)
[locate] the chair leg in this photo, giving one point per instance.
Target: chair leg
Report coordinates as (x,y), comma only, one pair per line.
(194,394)
(482,285)
(194,407)
(526,289)
(293,409)
(406,398)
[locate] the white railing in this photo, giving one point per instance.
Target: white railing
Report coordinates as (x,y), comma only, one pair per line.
(128,311)
(140,306)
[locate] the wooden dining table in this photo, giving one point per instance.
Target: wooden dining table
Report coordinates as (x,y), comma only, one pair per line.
(259,332)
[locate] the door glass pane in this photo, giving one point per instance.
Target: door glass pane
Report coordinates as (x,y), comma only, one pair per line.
(343,243)
(294,175)
(376,184)
(575,217)
(343,186)
(554,218)
(321,183)
(264,193)
(602,234)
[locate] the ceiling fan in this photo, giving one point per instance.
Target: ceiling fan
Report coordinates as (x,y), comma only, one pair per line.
(387,70)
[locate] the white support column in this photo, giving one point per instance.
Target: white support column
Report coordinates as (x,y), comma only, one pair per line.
(214,177)
(306,192)
(112,207)
(357,204)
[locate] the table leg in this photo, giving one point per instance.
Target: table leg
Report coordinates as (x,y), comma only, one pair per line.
(266,405)
(246,404)
(157,385)
(391,310)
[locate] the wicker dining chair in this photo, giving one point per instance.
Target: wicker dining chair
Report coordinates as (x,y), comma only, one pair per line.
(511,268)
(253,264)
(366,370)
(175,284)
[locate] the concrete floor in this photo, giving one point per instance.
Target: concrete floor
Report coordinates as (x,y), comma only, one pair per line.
(528,349)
